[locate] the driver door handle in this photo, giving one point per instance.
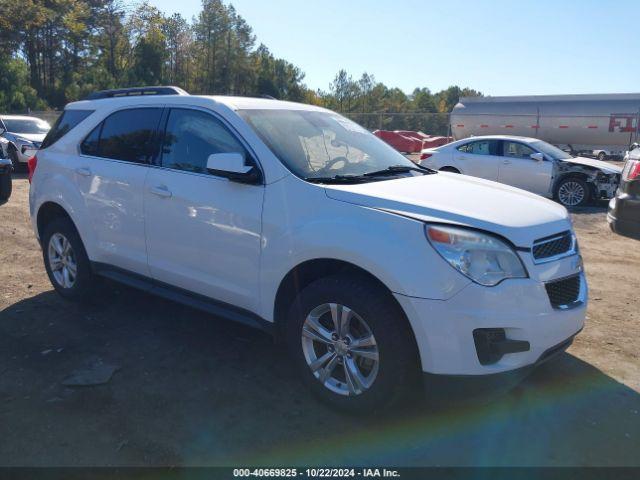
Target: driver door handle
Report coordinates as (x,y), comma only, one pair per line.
(161,191)
(84,171)
(506,162)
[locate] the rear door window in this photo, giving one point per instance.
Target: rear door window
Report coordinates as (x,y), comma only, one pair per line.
(64,124)
(128,135)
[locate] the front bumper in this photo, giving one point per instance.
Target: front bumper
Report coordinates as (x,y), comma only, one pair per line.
(519,307)
(458,386)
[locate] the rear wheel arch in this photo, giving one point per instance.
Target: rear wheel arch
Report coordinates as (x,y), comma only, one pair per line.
(449,168)
(48,212)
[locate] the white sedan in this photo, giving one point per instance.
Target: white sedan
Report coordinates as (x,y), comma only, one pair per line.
(527,163)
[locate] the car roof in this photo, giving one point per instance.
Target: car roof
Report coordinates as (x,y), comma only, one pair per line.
(232,102)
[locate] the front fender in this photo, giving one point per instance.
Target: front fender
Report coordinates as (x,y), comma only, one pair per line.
(390,247)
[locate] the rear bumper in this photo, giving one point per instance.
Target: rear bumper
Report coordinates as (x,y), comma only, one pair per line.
(624,215)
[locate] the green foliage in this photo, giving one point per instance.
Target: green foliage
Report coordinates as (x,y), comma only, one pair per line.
(56,51)
(15,92)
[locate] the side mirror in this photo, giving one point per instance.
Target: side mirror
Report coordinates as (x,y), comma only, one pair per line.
(233,167)
(537,156)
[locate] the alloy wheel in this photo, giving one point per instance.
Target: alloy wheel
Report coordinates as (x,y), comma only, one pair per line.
(571,193)
(340,349)
(62,261)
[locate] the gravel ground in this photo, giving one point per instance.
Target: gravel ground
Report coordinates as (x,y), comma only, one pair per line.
(189,389)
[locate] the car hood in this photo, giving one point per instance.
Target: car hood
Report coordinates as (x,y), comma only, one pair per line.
(590,162)
(515,214)
(33,137)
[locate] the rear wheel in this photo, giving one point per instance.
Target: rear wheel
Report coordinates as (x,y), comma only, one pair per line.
(572,192)
(602,156)
(351,343)
(66,260)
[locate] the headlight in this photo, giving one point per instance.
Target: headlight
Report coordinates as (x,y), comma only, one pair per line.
(482,257)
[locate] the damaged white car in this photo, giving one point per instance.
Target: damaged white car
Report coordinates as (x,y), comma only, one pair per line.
(530,164)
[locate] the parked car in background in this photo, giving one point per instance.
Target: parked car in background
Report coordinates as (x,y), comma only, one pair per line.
(624,208)
(24,136)
(4,147)
(296,220)
(530,164)
(600,126)
(5,180)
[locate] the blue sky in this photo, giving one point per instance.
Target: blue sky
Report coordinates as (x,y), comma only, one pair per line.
(499,47)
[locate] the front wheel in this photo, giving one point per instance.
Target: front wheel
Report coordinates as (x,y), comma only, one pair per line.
(602,156)
(351,343)
(572,192)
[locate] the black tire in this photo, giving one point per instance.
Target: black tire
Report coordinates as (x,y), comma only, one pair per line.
(15,162)
(450,169)
(84,280)
(570,183)
(398,363)
(602,156)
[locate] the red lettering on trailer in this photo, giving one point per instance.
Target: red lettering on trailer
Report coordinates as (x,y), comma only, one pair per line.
(508,126)
(535,126)
(563,126)
(484,126)
(592,126)
(460,125)
(623,122)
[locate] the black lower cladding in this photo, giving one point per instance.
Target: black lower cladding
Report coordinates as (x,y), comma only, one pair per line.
(492,344)
(564,292)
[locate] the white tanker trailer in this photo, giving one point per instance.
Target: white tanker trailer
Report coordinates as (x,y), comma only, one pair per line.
(603,125)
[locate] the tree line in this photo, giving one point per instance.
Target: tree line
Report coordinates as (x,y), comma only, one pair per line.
(56,51)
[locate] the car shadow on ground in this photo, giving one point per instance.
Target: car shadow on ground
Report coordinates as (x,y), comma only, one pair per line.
(191,389)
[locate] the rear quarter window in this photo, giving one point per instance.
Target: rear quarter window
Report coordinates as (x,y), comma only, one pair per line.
(65,123)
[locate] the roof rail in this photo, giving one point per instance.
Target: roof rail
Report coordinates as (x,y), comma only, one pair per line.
(135,91)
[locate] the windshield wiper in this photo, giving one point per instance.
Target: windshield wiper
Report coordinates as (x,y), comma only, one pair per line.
(337,179)
(393,169)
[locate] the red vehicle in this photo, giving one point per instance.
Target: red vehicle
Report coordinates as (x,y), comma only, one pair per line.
(408,141)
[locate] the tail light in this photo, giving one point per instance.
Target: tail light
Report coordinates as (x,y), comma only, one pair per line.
(32,163)
(631,170)
(424,156)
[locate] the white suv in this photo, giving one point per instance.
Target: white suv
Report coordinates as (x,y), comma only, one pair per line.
(291,218)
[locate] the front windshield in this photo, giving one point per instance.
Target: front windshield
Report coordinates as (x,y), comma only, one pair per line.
(317,144)
(26,125)
(550,150)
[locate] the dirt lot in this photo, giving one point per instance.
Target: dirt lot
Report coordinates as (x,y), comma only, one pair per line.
(194,390)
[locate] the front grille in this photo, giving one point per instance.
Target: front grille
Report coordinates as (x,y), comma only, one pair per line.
(564,292)
(552,246)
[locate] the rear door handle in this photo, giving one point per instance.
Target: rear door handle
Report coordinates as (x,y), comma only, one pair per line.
(84,171)
(506,162)
(161,191)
